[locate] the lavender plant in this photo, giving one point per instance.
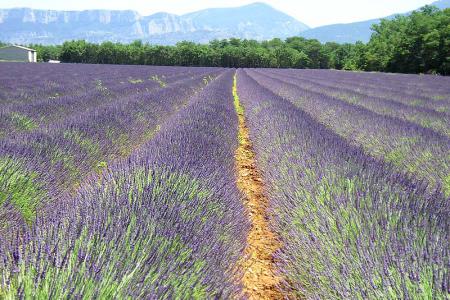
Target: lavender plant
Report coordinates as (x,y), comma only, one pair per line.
(410,147)
(411,109)
(351,226)
(82,133)
(166,223)
(119,181)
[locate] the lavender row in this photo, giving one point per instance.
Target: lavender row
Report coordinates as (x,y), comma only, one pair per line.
(93,78)
(423,116)
(28,82)
(43,115)
(427,91)
(37,112)
(53,161)
(167,223)
(410,147)
(351,226)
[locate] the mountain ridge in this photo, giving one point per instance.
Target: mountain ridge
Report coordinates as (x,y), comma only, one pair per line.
(252,21)
(258,21)
(354,31)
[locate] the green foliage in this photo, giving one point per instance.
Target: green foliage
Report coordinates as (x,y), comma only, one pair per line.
(417,43)
(90,145)
(141,187)
(135,81)
(293,53)
(447,185)
(20,187)
(22,122)
(46,52)
(396,157)
(158,80)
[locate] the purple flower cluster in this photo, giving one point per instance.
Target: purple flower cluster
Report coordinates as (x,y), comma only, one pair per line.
(164,221)
(120,181)
(60,136)
(428,111)
(351,225)
(409,146)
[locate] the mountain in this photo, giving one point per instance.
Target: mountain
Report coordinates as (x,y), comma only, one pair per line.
(352,32)
(254,21)
(257,21)
(342,33)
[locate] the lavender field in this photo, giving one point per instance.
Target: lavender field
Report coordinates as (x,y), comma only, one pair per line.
(120,182)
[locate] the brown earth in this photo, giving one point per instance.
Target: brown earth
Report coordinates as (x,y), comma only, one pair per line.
(260,280)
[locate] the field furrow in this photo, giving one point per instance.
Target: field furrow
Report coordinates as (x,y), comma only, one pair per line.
(54,160)
(260,279)
(138,182)
(350,225)
(429,92)
(435,119)
(411,148)
(161,224)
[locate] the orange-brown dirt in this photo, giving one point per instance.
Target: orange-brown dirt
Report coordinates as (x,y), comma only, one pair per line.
(260,280)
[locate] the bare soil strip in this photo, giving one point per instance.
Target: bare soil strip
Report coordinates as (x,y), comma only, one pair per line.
(259,280)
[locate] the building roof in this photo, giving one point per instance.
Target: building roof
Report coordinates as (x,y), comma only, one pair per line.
(17,46)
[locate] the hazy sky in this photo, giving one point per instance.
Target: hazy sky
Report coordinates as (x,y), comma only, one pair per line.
(312,12)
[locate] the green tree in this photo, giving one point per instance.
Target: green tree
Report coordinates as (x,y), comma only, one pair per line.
(415,43)
(73,51)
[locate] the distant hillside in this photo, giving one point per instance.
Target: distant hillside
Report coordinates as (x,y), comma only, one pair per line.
(352,32)
(342,33)
(257,21)
(254,21)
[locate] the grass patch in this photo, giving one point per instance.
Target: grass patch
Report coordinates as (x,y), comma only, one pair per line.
(135,81)
(20,187)
(132,244)
(396,157)
(237,105)
(439,97)
(22,122)
(446,186)
(158,80)
(89,145)
(417,102)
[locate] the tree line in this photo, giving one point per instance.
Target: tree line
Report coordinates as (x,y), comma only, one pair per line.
(415,43)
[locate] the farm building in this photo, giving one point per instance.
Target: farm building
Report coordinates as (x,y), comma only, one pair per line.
(17,53)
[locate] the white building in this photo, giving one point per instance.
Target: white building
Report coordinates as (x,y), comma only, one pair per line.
(17,53)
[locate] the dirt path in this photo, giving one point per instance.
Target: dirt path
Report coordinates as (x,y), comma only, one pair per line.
(259,280)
